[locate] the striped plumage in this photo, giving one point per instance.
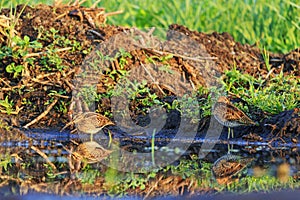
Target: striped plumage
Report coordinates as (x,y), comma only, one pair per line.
(90,152)
(91,122)
(227,166)
(230,116)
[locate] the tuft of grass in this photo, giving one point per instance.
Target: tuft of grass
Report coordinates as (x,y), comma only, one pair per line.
(281,93)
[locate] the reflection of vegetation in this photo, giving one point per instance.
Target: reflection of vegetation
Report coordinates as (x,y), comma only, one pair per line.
(88,175)
(194,173)
(8,105)
(120,183)
(264,183)
(5,162)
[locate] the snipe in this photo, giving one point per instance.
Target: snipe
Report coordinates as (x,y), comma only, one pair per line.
(89,123)
(230,116)
(228,166)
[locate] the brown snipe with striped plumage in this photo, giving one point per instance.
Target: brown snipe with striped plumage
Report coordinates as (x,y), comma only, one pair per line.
(90,123)
(230,116)
(88,153)
(226,167)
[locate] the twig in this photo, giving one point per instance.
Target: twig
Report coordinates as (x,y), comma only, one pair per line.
(60,16)
(97,34)
(6,177)
(15,87)
(3,81)
(153,187)
(4,183)
(27,85)
(77,2)
(198,59)
(69,73)
(44,156)
(42,82)
(66,126)
(113,13)
(61,96)
(154,82)
(40,76)
(45,52)
(71,86)
(150,32)
(43,114)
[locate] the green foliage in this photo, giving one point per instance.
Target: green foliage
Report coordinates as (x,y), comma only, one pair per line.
(186,169)
(126,181)
(88,175)
(8,105)
(274,25)
(5,162)
(19,51)
(16,70)
(255,184)
(61,106)
(279,94)
(52,62)
(122,55)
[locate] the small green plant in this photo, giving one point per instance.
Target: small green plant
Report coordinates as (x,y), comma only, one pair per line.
(161,59)
(256,184)
(5,161)
(89,94)
(123,55)
(186,169)
(266,57)
(52,62)
(124,182)
(9,29)
(88,175)
(7,105)
(19,52)
(22,46)
(61,106)
(15,69)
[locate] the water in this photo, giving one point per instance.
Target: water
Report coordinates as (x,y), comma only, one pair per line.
(26,165)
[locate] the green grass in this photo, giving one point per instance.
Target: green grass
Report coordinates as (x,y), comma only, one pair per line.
(275,25)
(280,93)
